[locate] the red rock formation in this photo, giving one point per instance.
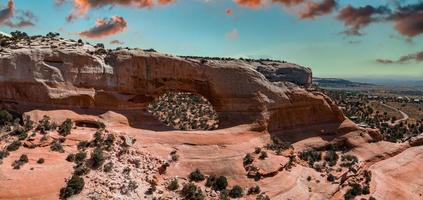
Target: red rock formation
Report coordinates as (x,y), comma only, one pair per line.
(70,76)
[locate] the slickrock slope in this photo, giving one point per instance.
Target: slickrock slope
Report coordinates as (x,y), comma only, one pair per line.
(292,143)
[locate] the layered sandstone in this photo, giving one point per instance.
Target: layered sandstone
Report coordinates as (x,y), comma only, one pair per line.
(72,75)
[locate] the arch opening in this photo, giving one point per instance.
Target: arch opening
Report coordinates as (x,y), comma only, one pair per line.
(184,111)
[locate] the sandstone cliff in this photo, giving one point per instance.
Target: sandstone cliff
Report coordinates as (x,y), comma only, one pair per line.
(62,73)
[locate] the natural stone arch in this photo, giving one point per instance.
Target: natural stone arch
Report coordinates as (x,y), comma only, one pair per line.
(184,111)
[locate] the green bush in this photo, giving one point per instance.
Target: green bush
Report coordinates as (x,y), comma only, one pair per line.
(14,146)
(81,169)
(331,178)
(45,125)
(278,145)
(65,128)
(173,185)
(98,139)
(196,176)
(254,190)
(80,157)
(354,191)
(236,192)
(57,146)
(40,161)
(4,154)
(70,157)
(191,192)
(83,145)
(74,186)
(248,159)
(257,150)
(28,123)
(109,141)
(5,117)
(331,157)
(348,160)
(217,183)
(18,163)
(97,158)
(311,156)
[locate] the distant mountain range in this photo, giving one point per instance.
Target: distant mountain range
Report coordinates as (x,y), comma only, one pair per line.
(336,82)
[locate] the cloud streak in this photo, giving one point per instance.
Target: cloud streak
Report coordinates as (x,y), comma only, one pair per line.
(357,18)
(13,18)
(416,57)
(106,27)
(407,20)
(81,7)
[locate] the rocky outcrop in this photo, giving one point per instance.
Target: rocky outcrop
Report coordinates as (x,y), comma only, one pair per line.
(73,75)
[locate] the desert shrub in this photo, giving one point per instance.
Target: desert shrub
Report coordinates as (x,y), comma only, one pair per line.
(348,160)
(263,155)
(278,145)
(18,163)
(57,146)
(254,190)
(311,156)
(4,154)
(22,136)
(262,197)
(40,161)
(97,158)
(248,159)
(80,156)
(83,145)
(257,150)
(372,198)
(224,195)
(70,157)
(354,191)
(366,190)
(5,117)
(45,125)
(110,139)
(331,178)
(14,146)
(331,157)
(175,157)
(173,185)
(74,186)
(196,176)
(217,183)
(236,192)
(308,178)
(98,139)
(191,192)
(65,128)
(81,169)
(367,176)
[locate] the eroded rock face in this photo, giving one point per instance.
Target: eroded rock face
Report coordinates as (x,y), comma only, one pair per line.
(72,75)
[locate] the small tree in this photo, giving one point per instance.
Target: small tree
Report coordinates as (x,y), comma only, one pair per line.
(65,128)
(236,192)
(173,185)
(191,192)
(74,186)
(97,158)
(196,176)
(248,159)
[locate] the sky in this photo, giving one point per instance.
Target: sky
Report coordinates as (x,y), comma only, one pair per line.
(381,39)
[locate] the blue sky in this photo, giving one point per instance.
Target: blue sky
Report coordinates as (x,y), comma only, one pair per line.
(196,27)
